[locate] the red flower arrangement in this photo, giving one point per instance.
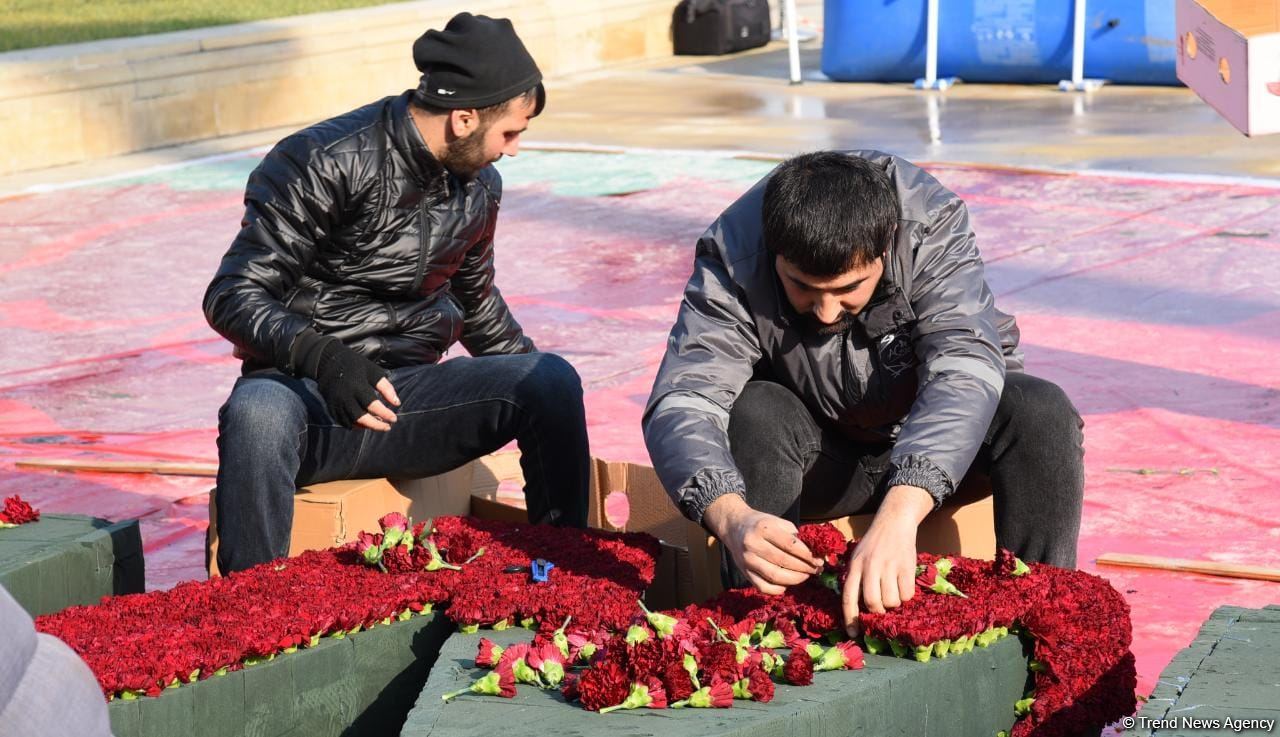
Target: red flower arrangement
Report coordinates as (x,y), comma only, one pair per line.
(224,624)
(608,651)
(1078,624)
(17,512)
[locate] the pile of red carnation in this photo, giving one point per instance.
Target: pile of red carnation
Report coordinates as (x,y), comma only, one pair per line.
(17,512)
(663,660)
(143,643)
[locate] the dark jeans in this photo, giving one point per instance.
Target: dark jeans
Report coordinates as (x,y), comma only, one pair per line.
(276,435)
(1031,461)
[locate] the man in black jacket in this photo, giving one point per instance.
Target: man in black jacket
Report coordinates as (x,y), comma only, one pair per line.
(365,252)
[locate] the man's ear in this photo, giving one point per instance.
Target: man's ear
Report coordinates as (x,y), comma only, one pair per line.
(463,123)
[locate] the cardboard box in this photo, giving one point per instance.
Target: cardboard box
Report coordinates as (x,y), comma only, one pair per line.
(1229,53)
(691,571)
(333,513)
(688,568)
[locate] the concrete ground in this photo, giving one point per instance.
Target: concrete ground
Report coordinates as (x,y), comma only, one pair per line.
(1152,297)
(744,103)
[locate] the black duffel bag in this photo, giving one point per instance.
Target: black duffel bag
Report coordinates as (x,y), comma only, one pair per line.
(712,27)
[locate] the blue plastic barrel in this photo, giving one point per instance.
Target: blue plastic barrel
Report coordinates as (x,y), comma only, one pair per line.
(1126,41)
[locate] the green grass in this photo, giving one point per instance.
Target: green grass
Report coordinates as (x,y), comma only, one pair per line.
(26,24)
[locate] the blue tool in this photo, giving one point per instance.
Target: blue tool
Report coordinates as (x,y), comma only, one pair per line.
(540,568)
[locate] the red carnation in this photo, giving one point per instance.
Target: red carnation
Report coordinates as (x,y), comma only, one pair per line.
(646,693)
(395,527)
(1008,564)
(488,654)
(677,681)
(398,559)
(719,695)
(799,668)
(760,686)
(720,660)
(603,686)
(824,541)
(927,577)
(369,546)
(501,681)
(841,656)
(644,658)
(17,512)
(569,689)
(394,521)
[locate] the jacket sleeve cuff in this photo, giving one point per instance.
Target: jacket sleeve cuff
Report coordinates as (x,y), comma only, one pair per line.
(705,487)
(922,473)
(304,353)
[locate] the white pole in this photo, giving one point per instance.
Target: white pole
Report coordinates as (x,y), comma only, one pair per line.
(931,52)
(793,40)
(1077,52)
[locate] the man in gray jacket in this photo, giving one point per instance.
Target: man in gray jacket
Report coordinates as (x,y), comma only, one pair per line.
(838,351)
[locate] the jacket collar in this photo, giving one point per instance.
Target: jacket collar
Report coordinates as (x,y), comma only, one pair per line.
(890,308)
(421,163)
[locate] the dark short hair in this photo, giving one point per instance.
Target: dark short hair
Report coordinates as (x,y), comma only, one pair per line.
(828,212)
(487,114)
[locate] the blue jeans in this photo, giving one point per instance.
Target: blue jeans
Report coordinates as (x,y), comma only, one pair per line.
(274,435)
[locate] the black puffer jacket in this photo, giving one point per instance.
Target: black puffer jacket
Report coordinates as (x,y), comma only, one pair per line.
(352,229)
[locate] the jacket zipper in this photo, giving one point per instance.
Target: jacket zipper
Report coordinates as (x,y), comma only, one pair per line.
(423,236)
(419,273)
(852,391)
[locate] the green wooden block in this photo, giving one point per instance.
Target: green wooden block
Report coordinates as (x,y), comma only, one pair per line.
(65,560)
(391,681)
(270,702)
(325,688)
(125,716)
(174,714)
(1231,671)
(362,684)
(219,702)
(966,695)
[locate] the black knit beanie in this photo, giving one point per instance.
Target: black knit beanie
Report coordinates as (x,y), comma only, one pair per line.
(476,61)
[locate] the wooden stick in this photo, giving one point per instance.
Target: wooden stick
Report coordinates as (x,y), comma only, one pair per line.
(166,468)
(1207,567)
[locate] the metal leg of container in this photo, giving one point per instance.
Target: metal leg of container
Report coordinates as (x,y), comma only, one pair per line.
(804,35)
(793,39)
(930,80)
(1078,83)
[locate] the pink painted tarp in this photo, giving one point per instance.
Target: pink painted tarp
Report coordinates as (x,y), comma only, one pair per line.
(1156,304)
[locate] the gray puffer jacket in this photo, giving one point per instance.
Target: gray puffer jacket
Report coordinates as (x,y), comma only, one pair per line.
(353,229)
(922,369)
(46,690)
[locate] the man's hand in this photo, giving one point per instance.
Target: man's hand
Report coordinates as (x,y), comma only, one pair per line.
(764,547)
(380,417)
(883,569)
(351,385)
